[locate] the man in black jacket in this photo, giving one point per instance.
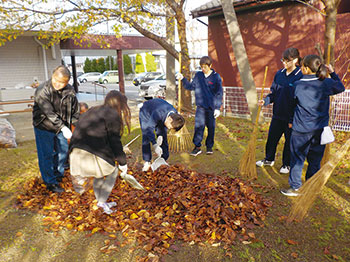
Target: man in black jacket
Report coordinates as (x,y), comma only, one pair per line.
(55,109)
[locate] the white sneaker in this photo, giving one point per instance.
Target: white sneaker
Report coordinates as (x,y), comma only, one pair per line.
(290,192)
(264,162)
(146,166)
(284,169)
(105,207)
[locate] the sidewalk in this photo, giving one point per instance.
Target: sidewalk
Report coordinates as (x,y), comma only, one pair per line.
(22,122)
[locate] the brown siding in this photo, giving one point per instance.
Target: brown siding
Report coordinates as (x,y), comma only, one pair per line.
(266,34)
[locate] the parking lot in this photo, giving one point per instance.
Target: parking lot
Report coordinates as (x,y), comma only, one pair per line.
(131,91)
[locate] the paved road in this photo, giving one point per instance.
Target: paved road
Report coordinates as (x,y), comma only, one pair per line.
(131,91)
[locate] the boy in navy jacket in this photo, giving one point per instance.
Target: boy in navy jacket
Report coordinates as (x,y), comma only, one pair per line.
(159,116)
(311,115)
(281,95)
(207,86)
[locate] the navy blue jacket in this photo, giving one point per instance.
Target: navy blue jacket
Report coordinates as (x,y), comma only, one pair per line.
(208,91)
(312,102)
(282,94)
(152,115)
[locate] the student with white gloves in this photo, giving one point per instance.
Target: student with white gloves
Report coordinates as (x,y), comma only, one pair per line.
(157,115)
(207,86)
(96,145)
(55,109)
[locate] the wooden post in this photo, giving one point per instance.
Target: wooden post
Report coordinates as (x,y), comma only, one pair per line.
(120,71)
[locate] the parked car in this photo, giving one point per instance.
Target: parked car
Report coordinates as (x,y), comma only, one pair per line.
(89,77)
(110,76)
(153,88)
(146,76)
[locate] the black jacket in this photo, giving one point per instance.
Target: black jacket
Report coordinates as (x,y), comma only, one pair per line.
(98,132)
(53,108)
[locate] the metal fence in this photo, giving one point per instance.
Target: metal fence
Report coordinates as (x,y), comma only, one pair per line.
(235,104)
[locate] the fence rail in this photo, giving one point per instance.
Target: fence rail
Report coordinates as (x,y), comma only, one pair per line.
(235,104)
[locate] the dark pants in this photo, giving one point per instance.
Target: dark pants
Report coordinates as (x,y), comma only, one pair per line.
(305,146)
(146,145)
(52,150)
(204,118)
(277,128)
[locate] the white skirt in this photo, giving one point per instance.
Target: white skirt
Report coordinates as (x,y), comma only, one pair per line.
(84,166)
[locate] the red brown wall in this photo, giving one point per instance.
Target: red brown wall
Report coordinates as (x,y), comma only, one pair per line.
(266,34)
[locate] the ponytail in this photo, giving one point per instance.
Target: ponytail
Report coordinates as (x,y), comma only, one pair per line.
(322,72)
(314,62)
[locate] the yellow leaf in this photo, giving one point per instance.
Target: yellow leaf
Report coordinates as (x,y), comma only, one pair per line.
(69,226)
(170,234)
(175,206)
(134,216)
(213,235)
(94,230)
(78,218)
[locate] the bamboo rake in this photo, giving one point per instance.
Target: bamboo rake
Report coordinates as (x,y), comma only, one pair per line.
(313,186)
(247,165)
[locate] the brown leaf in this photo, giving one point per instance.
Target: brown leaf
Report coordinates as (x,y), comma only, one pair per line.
(292,242)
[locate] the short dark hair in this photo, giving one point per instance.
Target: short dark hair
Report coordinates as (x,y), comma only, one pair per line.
(177,121)
(291,53)
(62,70)
(205,60)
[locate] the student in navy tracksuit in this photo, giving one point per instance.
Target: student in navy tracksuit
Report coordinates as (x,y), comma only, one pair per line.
(310,117)
(281,95)
(207,86)
(159,116)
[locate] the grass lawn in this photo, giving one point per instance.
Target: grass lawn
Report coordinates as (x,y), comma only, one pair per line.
(322,236)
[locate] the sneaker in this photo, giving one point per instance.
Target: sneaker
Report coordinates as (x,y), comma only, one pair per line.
(105,207)
(196,151)
(111,204)
(290,192)
(209,151)
(284,169)
(55,188)
(265,162)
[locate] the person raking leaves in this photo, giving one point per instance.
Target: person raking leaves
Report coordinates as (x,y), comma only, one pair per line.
(157,115)
(95,145)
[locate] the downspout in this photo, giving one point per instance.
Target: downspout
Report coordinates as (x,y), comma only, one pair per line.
(44,57)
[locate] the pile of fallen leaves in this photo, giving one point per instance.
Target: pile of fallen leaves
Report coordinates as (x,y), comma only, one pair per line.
(178,204)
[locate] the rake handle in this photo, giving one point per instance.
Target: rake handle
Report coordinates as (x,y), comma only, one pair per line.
(261,96)
(179,88)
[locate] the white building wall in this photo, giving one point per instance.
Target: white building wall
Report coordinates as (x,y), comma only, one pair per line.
(21,61)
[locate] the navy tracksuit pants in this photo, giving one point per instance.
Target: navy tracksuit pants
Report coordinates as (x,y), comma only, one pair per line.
(305,146)
(204,118)
(146,145)
(277,128)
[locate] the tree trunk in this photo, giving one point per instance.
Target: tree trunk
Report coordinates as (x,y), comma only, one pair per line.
(330,29)
(241,57)
(185,64)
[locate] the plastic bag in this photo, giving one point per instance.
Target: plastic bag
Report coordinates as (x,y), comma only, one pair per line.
(327,136)
(7,134)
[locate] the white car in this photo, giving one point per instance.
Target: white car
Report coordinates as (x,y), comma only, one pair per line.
(89,77)
(153,88)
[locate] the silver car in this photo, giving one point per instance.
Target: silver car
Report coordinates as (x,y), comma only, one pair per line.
(89,77)
(153,88)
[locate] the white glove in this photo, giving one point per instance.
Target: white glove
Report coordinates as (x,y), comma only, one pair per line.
(146,166)
(66,132)
(124,169)
(216,113)
(179,76)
